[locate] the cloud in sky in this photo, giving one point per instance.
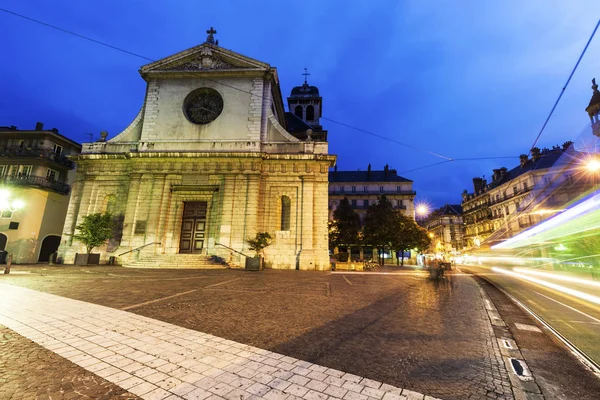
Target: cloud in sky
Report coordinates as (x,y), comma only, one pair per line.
(459,78)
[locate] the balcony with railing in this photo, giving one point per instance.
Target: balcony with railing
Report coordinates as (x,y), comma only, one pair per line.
(36,181)
(36,152)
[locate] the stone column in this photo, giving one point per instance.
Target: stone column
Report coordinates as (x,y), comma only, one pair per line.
(306,233)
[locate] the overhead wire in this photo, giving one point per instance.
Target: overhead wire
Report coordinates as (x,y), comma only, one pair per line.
(565,86)
(102,43)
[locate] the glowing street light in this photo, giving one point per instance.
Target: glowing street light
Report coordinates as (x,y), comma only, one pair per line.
(593,165)
(8,204)
(422,210)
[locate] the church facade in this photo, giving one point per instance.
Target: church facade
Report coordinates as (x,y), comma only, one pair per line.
(211,160)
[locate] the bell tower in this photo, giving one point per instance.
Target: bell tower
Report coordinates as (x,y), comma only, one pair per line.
(306,104)
(593,109)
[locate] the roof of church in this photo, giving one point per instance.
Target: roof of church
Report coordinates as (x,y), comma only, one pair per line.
(366,176)
(304,90)
(295,124)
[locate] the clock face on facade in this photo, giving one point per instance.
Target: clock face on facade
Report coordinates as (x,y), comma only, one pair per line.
(202,106)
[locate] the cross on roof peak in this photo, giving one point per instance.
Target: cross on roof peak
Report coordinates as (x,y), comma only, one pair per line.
(305,75)
(211,38)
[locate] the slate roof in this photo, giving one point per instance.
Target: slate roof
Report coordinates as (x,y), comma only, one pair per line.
(364,176)
(295,124)
(449,209)
(305,90)
(547,159)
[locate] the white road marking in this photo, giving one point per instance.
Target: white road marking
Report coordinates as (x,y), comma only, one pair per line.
(526,327)
(157,300)
(347,280)
(569,307)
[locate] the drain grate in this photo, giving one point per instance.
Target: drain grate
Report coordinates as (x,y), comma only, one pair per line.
(516,364)
(520,368)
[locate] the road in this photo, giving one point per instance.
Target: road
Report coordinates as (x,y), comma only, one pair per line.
(567,302)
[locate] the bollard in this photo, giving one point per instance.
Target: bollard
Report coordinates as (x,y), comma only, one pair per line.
(8,263)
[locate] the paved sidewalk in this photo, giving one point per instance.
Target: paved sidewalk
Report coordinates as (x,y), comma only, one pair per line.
(157,360)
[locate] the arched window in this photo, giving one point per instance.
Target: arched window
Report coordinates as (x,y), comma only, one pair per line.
(298,111)
(285,213)
(310,113)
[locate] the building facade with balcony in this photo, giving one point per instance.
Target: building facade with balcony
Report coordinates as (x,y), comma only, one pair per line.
(362,188)
(522,197)
(445,227)
(35,168)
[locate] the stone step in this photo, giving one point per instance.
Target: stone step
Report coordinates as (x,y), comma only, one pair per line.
(184,261)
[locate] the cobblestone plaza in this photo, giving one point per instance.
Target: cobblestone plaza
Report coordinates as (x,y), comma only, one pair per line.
(234,334)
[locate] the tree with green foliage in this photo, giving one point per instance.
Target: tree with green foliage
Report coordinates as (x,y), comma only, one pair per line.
(410,236)
(381,226)
(345,227)
(94,230)
(259,242)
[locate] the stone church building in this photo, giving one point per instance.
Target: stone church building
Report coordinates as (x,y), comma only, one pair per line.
(211,159)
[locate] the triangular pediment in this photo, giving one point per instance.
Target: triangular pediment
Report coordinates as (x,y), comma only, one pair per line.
(205,57)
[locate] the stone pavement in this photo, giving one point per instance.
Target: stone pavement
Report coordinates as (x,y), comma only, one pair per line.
(157,360)
(400,329)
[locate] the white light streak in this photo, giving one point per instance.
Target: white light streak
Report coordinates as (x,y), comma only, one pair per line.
(562,289)
(550,275)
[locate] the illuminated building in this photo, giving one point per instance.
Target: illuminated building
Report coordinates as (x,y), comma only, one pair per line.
(446,228)
(362,188)
(211,160)
(35,169)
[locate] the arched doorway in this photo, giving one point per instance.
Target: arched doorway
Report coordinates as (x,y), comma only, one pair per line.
(49,245)
(3,240)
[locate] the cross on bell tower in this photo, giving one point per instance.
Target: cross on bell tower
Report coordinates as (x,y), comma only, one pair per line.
(210,38)
(305,75)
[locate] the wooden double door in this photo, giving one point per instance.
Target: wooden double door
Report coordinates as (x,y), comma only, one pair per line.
(193,227)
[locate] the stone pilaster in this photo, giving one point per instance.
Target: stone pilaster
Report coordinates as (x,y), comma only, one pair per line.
(130,210)
(307,252)
(227,202)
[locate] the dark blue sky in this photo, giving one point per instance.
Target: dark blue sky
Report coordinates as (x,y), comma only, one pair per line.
(462,78)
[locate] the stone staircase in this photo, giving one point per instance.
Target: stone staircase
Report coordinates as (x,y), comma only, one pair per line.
(180,261)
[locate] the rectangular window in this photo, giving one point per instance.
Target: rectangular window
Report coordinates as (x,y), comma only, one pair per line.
(524,185)
(366,203)
(365,189)
(353,189)
(353,203)
(57,149)
(381,189)
(6,214)
(140,227)
(25,170)
(398,189)
(506,210)
(52,174)
(341,189)
(515,189)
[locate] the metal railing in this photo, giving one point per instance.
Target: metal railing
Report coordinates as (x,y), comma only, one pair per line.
(234,250)
(137,248)
(30,180)
(36,152)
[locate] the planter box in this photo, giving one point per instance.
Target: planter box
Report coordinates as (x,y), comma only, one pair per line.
(253,264)
(87,259)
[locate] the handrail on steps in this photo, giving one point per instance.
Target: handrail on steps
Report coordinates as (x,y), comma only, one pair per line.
(239,252)
(138,248)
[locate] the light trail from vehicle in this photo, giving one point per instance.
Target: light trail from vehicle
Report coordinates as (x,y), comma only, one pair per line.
(550,275)
(558,288)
